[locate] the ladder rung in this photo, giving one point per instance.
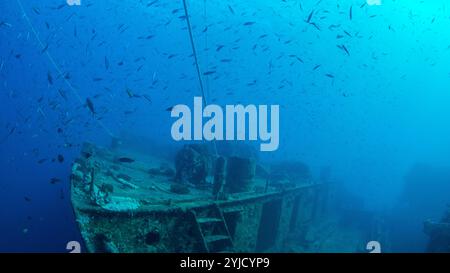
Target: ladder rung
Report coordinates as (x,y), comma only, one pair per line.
(215,238)
(208,220)
(234,210)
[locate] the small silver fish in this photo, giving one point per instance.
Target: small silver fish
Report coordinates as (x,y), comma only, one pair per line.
(90,105)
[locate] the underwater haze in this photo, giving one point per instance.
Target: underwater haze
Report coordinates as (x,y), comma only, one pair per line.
(363,90)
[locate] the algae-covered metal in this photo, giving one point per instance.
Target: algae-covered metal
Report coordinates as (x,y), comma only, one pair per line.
(138,206)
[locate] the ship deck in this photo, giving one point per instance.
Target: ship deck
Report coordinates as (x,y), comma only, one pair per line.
(137,186)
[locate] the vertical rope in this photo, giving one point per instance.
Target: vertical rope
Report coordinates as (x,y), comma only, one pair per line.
(197,66)
(205,17)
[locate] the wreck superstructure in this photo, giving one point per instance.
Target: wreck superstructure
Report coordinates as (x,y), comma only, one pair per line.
(133,205)
(439,234)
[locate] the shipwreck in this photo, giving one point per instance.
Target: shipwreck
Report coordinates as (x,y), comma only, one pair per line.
(129,201)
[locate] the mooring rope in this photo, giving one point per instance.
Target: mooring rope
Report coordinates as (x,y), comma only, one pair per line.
(205,19)
(197,66)
(194,51)
(56,67)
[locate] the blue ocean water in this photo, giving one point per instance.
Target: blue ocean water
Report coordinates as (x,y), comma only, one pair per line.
(362,88)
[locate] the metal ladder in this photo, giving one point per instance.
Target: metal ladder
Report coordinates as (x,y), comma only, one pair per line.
(214,231)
